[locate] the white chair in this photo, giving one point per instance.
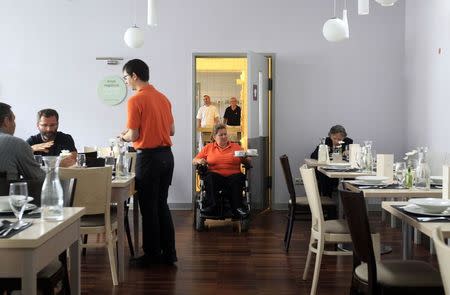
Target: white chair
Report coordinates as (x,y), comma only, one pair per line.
(330,231)
(443,255)
(93,191)
(324,231)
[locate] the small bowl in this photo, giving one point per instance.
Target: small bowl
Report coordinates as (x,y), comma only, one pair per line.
(239,153)
(431,205)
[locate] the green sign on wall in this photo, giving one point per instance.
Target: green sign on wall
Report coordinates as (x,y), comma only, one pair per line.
(112,90)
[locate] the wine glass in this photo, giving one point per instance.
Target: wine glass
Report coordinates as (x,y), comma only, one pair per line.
(400,171)
(18,198)
(81,160)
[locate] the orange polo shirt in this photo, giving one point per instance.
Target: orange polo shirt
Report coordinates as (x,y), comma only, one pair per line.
(151,112)
(221,160)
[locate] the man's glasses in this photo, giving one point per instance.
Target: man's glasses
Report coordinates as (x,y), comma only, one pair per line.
(125,77)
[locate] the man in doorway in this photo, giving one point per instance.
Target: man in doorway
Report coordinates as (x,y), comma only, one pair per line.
(207,115)
(16,157)
(150,125)
(49,141)
(232,116)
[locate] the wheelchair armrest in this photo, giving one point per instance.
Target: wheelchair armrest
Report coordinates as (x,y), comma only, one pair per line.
(201,169)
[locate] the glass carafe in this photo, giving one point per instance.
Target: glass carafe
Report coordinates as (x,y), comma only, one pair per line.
(366,157)
(324,156)
(120,162)
(52,198)
(423,171)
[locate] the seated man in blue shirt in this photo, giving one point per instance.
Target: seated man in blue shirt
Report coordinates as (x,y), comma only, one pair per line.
(50,141)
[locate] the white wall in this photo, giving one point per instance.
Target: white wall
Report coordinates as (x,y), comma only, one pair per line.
(48,60)
(427,72)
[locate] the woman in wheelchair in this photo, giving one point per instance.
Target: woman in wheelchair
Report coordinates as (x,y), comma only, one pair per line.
(224,171)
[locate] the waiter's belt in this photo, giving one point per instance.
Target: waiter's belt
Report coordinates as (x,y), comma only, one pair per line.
(154,150)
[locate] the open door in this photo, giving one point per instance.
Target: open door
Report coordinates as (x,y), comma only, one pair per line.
(258,127)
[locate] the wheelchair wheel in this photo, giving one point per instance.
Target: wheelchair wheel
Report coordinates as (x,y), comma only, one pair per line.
(244,224)
(199,220)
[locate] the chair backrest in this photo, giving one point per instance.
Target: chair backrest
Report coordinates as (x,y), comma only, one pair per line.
(355,211)
(95,162)
(69,186)
(132,157)
(443,255)
(313,195)
(93,188)
(89,149)
(288,177)
(103,151)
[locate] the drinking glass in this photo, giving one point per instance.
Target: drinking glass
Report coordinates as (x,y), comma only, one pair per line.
(18,198)
(110,161)
(400,171)
(38,159)
(81,160)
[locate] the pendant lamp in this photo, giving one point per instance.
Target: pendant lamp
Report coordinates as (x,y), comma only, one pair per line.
(134,37)
(386,2)
(336,29)
(152,19)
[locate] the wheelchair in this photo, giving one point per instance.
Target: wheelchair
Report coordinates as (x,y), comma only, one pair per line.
(223,204)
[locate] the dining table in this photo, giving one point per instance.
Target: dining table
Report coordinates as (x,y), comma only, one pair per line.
(410,221)
(121,189)
(30,250)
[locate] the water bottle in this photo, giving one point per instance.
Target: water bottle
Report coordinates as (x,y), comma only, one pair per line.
(120,162)
(423,171)
(52,197)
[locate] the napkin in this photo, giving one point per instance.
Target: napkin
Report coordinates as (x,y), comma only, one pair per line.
(385,162)
(354,151)
(445,181)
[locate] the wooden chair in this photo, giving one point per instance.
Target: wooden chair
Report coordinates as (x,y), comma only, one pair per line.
(94,193)
(443,255)
(322,232)
(50,277)
(371,276)
(299,205)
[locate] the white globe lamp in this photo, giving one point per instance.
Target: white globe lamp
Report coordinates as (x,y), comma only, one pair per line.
(386,2)
(335,30)
(134,37)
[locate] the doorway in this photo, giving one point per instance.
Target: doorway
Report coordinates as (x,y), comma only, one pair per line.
(248,78)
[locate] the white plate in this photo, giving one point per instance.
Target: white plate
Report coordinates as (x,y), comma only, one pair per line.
(411,208)
(432,205)
(372,179)
(436,179)
(28,207)
(361,182)
(4,203)
(338,164)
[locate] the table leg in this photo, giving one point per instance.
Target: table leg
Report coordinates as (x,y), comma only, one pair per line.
(75,270)
(407,236)
(136,224)
(29,282)
(123,195)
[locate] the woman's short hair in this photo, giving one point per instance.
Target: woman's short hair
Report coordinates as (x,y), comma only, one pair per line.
(337,129)
(216,129)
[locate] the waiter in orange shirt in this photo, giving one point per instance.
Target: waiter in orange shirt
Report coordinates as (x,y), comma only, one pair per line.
(150,125)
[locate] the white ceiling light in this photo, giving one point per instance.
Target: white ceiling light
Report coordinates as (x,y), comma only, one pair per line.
(386,2)
(134,37)
(363,7)
(336,29)
(152,19)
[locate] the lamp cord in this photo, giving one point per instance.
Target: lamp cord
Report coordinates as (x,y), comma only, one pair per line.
(334,8)
(135,13)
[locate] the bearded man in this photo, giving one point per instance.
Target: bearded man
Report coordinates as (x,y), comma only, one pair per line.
(50,141)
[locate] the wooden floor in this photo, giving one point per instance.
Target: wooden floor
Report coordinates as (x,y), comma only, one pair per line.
(223,261)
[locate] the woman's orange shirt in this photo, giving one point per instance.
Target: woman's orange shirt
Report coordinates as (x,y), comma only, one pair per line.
(221,160)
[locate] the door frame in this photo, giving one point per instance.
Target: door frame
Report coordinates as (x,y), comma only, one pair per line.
(270,112)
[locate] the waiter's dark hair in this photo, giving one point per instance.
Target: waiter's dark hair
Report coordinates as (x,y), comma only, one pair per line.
(5,112)
(47,113)
(137,67)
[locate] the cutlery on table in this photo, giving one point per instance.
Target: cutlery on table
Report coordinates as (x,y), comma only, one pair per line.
(16,226)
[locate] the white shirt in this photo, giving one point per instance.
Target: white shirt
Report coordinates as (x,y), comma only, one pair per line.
(207,114)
